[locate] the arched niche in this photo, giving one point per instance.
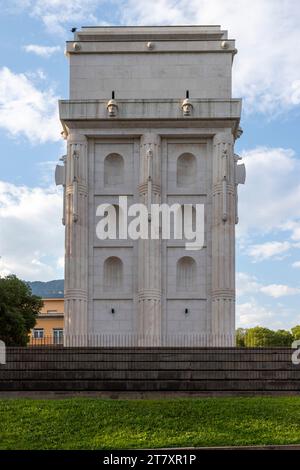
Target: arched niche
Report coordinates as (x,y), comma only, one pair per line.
(113,273)
(186,170)
(186,274)
(113,170)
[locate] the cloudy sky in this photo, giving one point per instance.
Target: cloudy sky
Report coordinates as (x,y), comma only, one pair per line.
(34,75)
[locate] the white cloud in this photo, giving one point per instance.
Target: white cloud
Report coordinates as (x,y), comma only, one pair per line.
(296,264)
(250,314)
(55,14)
(270,199)
(245,284)
(263,251)
(248,284)
(266,34)
(31,236)
(61,262)
(26,110)
(294,227)
(42,51)
(279,290)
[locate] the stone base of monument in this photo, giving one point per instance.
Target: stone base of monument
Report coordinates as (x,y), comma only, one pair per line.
(184,370)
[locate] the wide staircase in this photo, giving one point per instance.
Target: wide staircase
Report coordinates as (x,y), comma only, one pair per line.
(159,369)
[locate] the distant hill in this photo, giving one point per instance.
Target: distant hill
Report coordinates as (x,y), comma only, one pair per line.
(48,290)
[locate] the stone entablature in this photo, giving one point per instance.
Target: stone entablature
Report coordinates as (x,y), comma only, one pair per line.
(148,109)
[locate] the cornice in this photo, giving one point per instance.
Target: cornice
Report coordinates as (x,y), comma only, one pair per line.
(150,47)
(149,109)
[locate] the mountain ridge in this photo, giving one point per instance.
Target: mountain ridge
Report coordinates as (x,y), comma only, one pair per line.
(48,289)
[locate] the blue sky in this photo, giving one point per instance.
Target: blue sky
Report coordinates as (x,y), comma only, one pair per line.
(34,75)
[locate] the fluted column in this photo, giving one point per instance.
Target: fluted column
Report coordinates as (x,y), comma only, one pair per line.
(76,241)
(223,241)
(149,252)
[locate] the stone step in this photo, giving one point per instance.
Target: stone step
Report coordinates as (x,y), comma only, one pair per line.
(152,385)
(149,375)
(149,369)
(148,365)
(239,356)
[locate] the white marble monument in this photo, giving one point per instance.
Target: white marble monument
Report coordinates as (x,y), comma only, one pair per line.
(160,95)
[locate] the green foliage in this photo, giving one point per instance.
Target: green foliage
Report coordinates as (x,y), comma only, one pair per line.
(18,311)
(283,338)
(261,337)
(296,332)
(87,423)
(240,337)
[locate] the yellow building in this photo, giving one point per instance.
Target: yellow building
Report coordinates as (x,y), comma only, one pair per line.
(49,327)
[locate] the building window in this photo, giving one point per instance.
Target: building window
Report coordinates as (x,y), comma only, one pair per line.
(58,335)
(186,170)
(38,333)
(113,170)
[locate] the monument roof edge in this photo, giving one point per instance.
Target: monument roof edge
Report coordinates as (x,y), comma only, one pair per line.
(149,32)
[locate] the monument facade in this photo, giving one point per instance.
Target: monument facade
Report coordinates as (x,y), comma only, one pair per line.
(150,118)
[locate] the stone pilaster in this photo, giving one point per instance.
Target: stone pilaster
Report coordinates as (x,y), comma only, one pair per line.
(76,241)
(149,251)
(223,240)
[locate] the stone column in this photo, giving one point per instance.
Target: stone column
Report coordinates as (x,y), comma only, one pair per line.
(76,242)
(223,241)
(149,251)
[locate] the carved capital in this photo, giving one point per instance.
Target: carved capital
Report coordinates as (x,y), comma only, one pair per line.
(76,137)
(149,295)
(224,137)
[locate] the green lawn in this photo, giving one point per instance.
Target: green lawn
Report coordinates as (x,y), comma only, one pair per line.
(90,423)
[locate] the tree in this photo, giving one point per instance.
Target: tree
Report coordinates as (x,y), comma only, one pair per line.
(18,311)
(259,337)
(240,337)
(283,338)
(296,332)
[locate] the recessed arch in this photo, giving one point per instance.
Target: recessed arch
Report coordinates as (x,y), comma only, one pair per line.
(113,273)
(186,274)
(113,169)
(186,170)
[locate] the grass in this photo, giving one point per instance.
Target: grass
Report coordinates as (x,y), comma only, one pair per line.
(90,423)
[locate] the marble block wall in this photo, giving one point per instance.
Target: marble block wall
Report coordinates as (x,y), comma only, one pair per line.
(151,117)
